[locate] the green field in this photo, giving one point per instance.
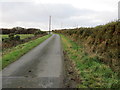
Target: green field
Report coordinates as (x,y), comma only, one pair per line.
(16,52)
(22,36)
(93,73)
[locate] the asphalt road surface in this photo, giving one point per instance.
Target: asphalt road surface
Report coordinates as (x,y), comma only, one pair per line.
(42,67)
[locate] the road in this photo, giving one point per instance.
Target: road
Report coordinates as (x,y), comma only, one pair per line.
(42,67)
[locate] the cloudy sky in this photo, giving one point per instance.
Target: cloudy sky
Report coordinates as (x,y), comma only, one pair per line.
(64,13)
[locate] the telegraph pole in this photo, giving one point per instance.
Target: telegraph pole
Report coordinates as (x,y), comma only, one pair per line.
(119,11)
(49,24)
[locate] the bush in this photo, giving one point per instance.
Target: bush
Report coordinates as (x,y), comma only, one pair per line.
(39,32)
(17,37)
(11,36)
(5,39)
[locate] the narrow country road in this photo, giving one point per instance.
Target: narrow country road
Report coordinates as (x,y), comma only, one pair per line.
(42,67)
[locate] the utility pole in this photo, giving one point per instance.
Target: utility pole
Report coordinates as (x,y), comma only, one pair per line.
(49,24)
(119,11)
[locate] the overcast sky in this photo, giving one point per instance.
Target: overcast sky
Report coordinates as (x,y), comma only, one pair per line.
(65,13)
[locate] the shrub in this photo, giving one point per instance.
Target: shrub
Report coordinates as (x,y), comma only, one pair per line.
(17,37)
(11,36)
(5,39)
(39,32)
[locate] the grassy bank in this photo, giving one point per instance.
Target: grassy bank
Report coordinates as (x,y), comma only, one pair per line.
(93,73)
(18,51)
(102,41)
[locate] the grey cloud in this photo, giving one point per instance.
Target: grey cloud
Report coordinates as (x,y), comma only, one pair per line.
(13,12)
(38,12)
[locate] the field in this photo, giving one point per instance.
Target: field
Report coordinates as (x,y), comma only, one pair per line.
(93,73)
(22,36)
(16,52)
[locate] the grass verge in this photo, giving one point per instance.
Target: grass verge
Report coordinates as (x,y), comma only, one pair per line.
(20,50)
(93,73)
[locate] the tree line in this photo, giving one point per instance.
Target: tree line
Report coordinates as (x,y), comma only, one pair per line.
(19,30)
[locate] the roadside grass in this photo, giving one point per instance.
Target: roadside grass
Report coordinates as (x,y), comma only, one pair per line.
(16,52)
(22,36)
(93,73)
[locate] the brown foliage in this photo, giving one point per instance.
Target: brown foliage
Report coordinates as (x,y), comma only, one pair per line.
(103,40)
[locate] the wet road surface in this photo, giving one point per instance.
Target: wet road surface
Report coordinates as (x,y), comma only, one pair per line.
(42,67)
